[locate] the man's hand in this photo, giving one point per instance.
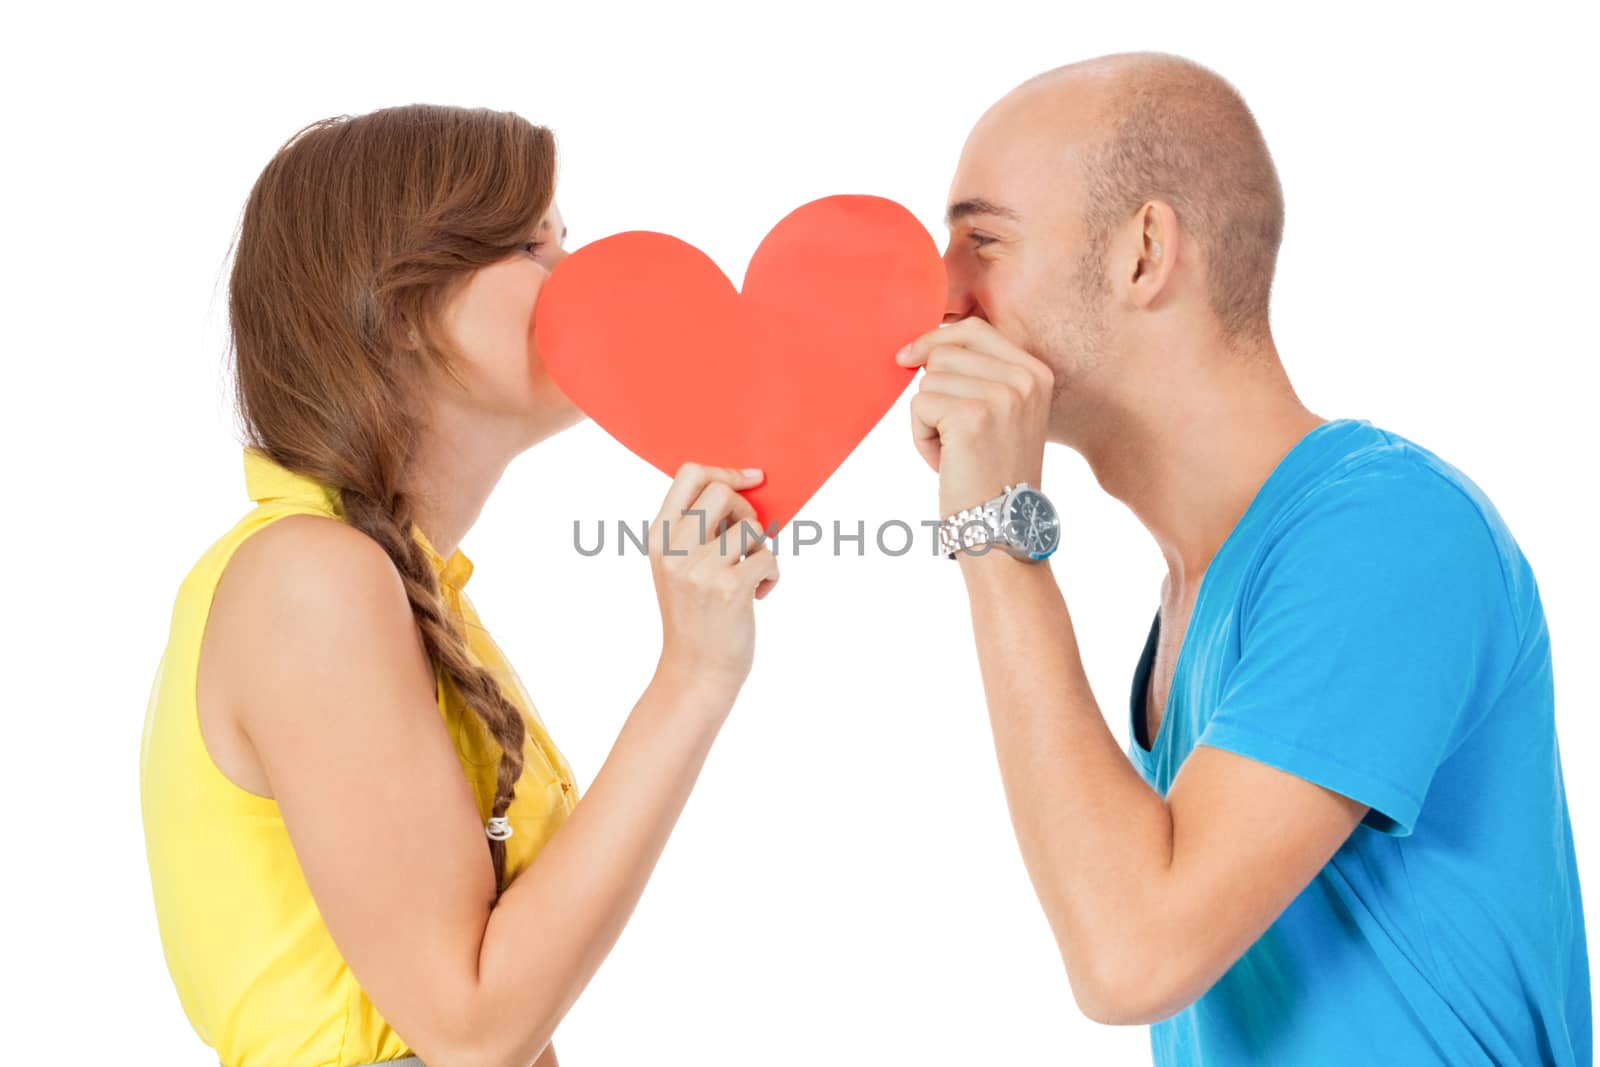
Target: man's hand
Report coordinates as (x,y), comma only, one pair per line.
(981,411)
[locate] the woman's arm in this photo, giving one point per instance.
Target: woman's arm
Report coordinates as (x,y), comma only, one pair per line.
(319,662)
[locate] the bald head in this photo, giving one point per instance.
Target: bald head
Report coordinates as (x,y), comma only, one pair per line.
(1147,126)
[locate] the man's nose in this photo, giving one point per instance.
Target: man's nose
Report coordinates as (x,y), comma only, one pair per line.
(958,302)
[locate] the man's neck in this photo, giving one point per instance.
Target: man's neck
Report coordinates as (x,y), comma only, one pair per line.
(1189,458)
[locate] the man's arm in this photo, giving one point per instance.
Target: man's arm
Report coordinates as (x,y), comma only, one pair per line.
(1150,900)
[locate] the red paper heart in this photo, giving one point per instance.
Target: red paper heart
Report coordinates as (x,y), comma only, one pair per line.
(651,340)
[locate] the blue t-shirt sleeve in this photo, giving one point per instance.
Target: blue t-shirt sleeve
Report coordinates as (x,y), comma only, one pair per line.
(1373,634)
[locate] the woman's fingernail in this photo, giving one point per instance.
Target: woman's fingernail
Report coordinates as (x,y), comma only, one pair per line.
(752,472)
(901,356)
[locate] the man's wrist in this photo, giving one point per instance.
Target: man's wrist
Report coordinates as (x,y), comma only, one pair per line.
(987,561)
(1020,521)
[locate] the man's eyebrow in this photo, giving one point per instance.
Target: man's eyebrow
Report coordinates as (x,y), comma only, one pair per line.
(976,206)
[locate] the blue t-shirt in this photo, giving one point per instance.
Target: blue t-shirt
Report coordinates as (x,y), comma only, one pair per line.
(1371,626)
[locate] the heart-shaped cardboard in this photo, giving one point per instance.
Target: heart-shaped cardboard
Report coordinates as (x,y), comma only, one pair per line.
(650,339)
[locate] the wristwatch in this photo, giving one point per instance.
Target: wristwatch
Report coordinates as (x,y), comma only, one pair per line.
(1020,520)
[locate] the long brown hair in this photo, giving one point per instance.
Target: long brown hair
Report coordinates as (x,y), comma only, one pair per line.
(354,238)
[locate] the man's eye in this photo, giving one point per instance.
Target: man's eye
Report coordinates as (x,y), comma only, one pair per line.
(532,247)
(980,239)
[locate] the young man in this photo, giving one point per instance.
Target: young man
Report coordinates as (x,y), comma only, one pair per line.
(1342,836)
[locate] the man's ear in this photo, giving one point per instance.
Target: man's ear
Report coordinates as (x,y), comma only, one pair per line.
(1152,250)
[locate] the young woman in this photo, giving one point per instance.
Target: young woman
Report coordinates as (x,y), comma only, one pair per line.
(351,807)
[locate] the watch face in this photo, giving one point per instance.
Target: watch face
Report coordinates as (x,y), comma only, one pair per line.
(1031,523)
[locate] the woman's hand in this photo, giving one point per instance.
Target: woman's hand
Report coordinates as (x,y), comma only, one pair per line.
(711,563)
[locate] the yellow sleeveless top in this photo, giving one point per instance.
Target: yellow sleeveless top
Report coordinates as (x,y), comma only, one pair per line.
(256,970)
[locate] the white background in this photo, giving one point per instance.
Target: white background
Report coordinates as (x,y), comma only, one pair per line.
(843,886)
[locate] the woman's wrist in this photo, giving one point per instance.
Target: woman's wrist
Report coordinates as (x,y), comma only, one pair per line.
(709,692)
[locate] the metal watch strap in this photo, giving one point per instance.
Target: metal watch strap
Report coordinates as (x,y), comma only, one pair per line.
(953,533)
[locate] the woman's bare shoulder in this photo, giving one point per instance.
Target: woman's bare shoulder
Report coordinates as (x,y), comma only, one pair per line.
(310,558)
(310,614)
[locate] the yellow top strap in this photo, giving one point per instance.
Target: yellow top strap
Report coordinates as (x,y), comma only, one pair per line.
(268,481)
